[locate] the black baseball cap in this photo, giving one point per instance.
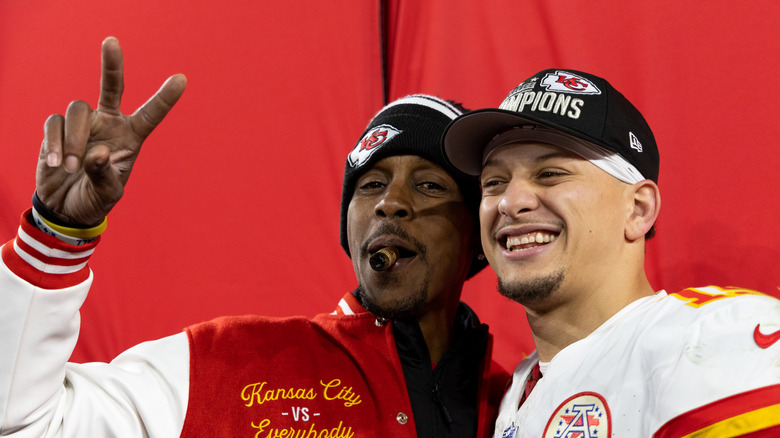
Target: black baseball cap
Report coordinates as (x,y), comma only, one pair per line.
(576,104)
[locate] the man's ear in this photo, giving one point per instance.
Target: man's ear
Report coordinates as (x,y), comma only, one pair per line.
(647,204)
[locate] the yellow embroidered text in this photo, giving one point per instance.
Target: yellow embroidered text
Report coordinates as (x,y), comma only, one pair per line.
(339,431)
(257,393)
(332,391)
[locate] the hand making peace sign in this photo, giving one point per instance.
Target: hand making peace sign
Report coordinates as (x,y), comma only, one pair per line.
(86,157)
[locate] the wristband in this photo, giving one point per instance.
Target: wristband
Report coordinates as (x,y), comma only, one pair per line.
(35,219)
(64,227)
(79,233)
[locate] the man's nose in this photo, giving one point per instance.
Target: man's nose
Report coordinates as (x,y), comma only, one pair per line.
(396,202)
(519,197)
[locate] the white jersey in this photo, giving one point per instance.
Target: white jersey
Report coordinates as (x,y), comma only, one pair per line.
(701,362)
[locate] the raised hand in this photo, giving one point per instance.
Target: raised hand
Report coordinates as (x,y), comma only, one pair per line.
(86,157)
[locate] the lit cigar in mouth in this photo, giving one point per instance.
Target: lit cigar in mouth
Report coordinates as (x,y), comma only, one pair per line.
(383,258)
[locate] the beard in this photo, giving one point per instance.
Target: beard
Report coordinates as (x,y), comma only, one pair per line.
(533,290)
(408,305)
(404,307)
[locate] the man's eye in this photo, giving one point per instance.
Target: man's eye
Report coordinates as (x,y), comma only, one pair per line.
(430,185)
(550,174)
(490,183)
(370,185)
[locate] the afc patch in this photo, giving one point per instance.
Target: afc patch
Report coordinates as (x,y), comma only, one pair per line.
(370,143)
(583,415)
(565,82)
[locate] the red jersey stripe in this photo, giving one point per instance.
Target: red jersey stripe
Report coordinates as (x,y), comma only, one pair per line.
(749,412)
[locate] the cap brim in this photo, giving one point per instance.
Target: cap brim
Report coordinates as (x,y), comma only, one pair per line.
(466,137)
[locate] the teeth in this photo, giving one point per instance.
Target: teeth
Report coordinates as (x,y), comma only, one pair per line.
(538,237)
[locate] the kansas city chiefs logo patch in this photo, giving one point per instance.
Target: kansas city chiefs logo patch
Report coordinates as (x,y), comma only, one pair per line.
(565,82)
(583,415)
(374,139)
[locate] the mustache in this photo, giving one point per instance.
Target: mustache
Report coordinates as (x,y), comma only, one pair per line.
(393,229)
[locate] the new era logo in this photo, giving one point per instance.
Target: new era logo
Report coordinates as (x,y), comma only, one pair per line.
(635,144)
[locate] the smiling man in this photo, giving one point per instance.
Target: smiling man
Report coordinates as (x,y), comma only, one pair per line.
(399,357)
(569,171)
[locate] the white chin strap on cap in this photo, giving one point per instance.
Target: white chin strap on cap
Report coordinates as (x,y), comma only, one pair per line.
(606,160)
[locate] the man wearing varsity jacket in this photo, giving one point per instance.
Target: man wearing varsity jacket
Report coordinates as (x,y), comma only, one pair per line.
(399,357)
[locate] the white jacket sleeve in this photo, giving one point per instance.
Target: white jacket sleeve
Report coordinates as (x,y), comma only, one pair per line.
(143,392)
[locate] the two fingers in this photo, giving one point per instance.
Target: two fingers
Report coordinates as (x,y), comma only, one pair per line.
(112,84)
(65,139)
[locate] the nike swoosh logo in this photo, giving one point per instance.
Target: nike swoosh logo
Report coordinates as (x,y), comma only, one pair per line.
(765,341)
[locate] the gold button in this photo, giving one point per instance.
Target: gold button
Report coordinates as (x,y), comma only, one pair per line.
(402,418)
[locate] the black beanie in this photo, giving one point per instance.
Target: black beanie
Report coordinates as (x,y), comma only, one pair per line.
(411,125)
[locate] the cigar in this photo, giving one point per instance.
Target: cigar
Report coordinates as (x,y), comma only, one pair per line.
(383,258)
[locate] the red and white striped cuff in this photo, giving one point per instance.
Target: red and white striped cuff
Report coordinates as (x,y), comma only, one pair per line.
(45,261)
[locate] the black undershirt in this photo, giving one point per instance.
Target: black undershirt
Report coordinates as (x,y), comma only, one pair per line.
(444,398)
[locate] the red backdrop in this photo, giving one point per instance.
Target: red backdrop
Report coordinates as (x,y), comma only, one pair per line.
(234,205)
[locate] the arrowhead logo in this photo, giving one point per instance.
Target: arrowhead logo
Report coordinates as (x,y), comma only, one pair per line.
(370,143)
(765,341)
(567,82)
